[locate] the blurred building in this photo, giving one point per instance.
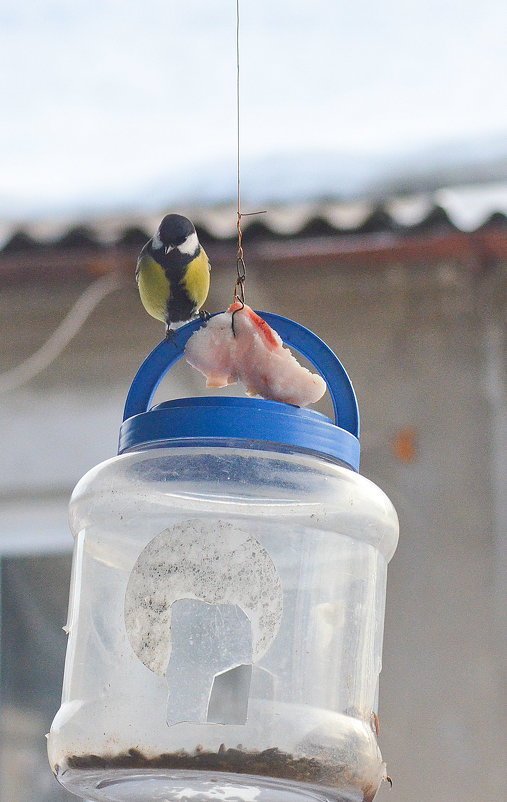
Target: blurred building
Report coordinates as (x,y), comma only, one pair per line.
(411,297)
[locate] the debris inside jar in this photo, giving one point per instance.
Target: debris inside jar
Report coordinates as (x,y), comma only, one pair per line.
(272,762)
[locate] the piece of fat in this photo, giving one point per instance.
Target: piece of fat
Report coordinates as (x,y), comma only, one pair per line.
(253,354)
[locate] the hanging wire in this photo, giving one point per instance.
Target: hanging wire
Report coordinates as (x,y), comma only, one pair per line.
(239,287)
(63,334)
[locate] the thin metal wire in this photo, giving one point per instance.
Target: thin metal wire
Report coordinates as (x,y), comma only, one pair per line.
(239,287)
(237,123)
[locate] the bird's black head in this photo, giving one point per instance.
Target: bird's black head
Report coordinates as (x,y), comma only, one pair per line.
(174,231)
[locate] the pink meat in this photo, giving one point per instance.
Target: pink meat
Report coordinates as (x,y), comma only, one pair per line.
(256,357)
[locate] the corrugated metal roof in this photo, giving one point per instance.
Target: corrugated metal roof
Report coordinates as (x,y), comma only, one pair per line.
(461,209)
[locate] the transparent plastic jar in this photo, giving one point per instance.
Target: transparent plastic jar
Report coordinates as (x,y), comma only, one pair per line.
(226,607)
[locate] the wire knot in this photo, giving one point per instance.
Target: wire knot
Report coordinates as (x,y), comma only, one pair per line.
(239,287)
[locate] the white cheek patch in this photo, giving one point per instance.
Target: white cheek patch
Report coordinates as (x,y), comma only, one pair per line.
(156,242)
(190,245)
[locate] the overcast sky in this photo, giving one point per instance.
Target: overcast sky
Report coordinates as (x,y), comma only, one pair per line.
(102,97)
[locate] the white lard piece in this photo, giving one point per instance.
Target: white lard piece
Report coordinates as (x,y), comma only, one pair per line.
(253,354)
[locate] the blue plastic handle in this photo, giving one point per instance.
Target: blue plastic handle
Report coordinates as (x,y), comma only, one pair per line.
(168,352)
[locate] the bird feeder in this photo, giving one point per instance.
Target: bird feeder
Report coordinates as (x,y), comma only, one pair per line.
(227,600)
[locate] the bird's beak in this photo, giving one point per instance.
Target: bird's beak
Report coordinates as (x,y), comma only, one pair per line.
(168,248)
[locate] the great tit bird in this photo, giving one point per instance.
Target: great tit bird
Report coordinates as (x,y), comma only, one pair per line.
(172,273)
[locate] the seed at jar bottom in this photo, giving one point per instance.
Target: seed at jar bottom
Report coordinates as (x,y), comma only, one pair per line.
(271,762)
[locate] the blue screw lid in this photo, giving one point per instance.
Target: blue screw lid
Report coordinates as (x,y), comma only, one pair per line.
(219,420)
